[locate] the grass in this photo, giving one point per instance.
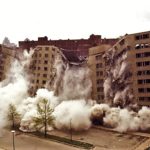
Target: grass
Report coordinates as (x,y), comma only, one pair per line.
(59,139)
(65,140)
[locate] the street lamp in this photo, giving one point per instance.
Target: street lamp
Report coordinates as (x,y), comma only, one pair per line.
(71,129)
(13,134)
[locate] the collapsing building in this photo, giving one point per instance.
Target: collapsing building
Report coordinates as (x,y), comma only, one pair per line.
(50,65)
(128,71)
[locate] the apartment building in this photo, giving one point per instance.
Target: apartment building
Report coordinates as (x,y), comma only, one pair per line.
(42,70)
(80,46)
(134,50)
(7,55)
(96,64)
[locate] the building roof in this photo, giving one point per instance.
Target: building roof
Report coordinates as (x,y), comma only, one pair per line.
(72,56)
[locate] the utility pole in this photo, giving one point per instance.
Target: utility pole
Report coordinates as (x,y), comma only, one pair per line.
(13,136)
(70,130)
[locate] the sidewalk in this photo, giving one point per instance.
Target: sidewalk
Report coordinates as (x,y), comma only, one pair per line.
(144,145)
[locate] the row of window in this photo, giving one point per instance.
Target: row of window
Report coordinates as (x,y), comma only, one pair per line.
(143,72)
(144,98)
(37,81)
(99,65)
(98,57)
(143,36)
(43,75)
(141,55)
(144,90)
(40,55)
(99,73)
(39,61)
(99,89)
(39,68)
(141,46)
(100,81)
(145,81)
(144,63)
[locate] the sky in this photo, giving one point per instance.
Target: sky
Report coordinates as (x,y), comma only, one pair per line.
(72,19)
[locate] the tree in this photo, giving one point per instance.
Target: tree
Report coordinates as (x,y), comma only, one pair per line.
(44,115)
(13,115)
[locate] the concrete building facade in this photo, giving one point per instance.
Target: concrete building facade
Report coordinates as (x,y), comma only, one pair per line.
(42,70)
(80,46)
(133,50)
(7,55)
(96,64)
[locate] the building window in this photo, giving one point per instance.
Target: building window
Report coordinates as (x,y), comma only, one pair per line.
(45,68)
(39,68)
(53,49)
(37,81)
(138,64)
(100,89)
(39,48)
(141,90)
(100,81)
(115,48)
(45,62)
(45,75)
(143,72)
(145,36)
(145,81)
(40,55)
(141,55)
(145,63)
(140,81)
(122,42)
(44,82)
(148,90)
(99,65)
(46,55)
(144,99)
(140,37)
(98,57)
(99,73)
(52,56)
(46,48)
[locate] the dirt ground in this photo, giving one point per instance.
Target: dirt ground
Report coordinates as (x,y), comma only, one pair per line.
(26,142)
(102,139)
(106,140)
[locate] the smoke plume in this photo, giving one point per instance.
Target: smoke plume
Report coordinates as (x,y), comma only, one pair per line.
(73,108)
(14,88)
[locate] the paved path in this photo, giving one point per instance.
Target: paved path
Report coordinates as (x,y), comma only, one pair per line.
(26,142)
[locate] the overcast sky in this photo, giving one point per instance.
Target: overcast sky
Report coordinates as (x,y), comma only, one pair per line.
(63,19)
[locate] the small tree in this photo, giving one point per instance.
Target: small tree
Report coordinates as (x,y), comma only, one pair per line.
(13,115)
(44,117)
